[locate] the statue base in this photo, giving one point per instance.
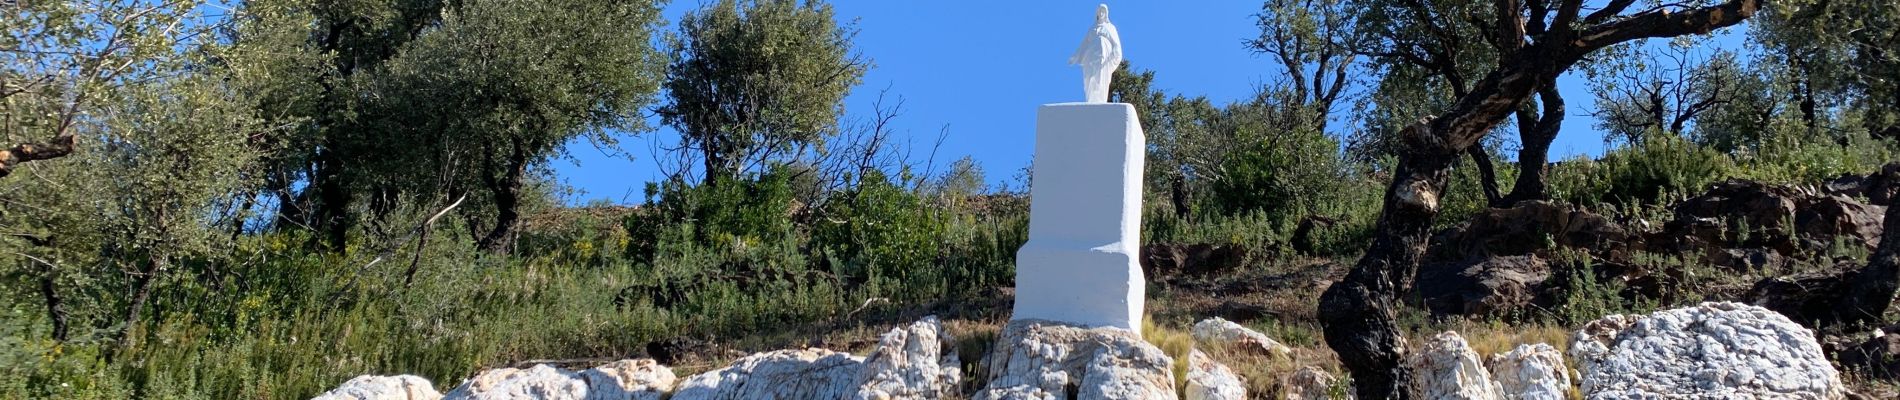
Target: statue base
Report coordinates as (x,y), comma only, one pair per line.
(1080,266)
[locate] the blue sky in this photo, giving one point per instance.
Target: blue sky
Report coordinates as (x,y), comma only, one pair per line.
(977,70)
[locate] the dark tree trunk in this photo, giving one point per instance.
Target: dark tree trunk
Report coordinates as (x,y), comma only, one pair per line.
(55,306)
(1177,191)
(1357,313)
(333,200)
(142,287)
(1533,158)
(506,190)
(1871,291)
(1487,174)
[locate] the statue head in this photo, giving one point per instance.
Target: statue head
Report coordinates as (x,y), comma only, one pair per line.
(1101,14)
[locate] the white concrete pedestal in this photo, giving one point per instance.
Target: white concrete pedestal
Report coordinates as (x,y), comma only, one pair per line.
(1080,266)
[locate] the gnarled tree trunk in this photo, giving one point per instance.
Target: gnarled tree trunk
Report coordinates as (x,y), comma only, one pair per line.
(1536,132)
(1871,291)
(1356,313)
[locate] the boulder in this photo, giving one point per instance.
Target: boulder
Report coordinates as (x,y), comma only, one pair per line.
(625,379)
(1035,359)
(1823,219)
(1490,286)
(1210,380)
(910,362)
(1445,367)
(1310,383)
(1808,299)
(378,387)
(1879,187)
(1710,351)
(784,374)
(642,379)
(1533,227)
(1532,372)
(1742,214)
(1219,331)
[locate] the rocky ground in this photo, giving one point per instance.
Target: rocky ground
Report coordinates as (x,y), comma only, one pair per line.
(1523,302)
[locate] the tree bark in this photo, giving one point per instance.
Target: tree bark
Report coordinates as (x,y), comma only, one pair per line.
(1533,158)
(60,146)
(1357,313)
(506,190)
(333,200)
(1487,174)
(55,306)
(1871,291)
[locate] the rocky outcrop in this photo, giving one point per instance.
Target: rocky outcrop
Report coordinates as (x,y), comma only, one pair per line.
(378,387)
(1210,380)
(642,379)
(1221,332)
(1036,359)
(784,374)
(1310,383)
(1533,227)
(910,362)
(626,379)
(1445,367)
(1736,217)
(1879,187)
(1531,372)
(1710,351)
(1490,286)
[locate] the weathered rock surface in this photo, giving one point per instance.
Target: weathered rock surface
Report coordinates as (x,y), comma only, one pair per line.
(1445,367)
(1531,372)
(1210,380)
(1710,351)
(1491,286)
(378,387)
(1309,383)
(1879,187)
(1219,331)
(1531,227)
(642,379)
(1751,216)
(910,362)
(783,374)
(625,379)
(1046,360)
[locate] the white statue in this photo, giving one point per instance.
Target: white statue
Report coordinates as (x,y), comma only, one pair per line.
(1099,56)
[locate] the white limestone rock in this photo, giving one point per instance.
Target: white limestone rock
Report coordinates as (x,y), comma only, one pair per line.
(378,387)
(1532,372)
(1210,380)
(620,380)
(1223,332)
(910,363)
(542,382)
(642,379)
(784,374)
(1035,359)
(1309,383)
(1710,351)
(1445,367)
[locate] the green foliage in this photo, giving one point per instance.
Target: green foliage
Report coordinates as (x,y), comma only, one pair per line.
(1647,172)
(750,80)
